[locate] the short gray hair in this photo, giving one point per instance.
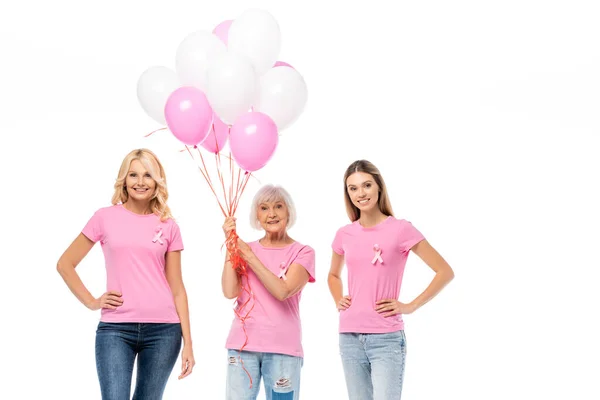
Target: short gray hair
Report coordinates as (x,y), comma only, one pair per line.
(271,193)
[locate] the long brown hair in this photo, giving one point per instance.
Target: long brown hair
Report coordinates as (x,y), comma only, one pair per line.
(384,201)
(158,203)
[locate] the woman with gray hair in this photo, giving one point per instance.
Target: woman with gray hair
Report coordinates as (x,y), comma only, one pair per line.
(278,268)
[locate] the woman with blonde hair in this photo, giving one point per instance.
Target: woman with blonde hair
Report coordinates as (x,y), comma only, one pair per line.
(144,311)
(375,247)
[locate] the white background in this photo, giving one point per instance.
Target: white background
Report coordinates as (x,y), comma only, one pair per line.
(482,116)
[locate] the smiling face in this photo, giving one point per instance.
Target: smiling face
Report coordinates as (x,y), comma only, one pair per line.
(273,216)
(139,183)
(363,191)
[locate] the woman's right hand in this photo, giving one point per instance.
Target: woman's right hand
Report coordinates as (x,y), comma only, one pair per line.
(110,300)
(228,226)
(344,303)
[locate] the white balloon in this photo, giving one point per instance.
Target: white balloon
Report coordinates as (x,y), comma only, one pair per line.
(194,55)
(231,86)
(256,35)
(154,87)
(282,95)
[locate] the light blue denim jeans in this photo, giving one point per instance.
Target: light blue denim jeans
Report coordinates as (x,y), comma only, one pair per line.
(373,364)
(280,373)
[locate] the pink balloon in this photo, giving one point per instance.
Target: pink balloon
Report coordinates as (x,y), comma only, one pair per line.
(216,139)
(253,140)
(282,64)
(189,115)
(222,30)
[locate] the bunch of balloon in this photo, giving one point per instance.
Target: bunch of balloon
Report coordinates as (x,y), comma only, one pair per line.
(228,87)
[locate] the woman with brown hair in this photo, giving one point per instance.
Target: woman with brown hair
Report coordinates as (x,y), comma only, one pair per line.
(375,247)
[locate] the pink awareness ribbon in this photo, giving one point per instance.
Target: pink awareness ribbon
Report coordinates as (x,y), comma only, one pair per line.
(282,272)
(157,236)
(377,257)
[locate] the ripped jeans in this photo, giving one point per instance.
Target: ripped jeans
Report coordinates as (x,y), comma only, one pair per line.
(280,373)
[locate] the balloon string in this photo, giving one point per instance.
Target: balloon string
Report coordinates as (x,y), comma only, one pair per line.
(220,175)
(206,176)
(240,266)
(160,129)
(228,208)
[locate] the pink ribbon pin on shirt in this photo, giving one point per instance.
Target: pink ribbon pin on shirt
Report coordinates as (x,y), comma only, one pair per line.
(282,272)
(377,257)
(157,236)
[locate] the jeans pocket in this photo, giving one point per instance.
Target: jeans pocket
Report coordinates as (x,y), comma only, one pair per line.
(105,326)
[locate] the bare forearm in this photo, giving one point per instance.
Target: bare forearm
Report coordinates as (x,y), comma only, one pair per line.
(73,281)
(274,285)
(336,287)
(439,281)
(181,305)
(230,281)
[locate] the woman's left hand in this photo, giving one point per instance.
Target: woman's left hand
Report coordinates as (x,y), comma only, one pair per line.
(187,361)
(245,250)
(389,307)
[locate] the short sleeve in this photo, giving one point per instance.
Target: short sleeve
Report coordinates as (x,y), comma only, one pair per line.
(338,245)
(409,236)
(306,258)
(93,230)
(175,241)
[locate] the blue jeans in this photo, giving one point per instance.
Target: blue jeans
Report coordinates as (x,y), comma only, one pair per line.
(117,345)
(373,364)
(280,373)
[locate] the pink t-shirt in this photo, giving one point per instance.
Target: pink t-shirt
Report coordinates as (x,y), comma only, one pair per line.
(374,275)
(134,248)
(272,326)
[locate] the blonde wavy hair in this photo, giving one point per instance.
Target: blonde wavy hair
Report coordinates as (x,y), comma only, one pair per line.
(158,203)
(384,201)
